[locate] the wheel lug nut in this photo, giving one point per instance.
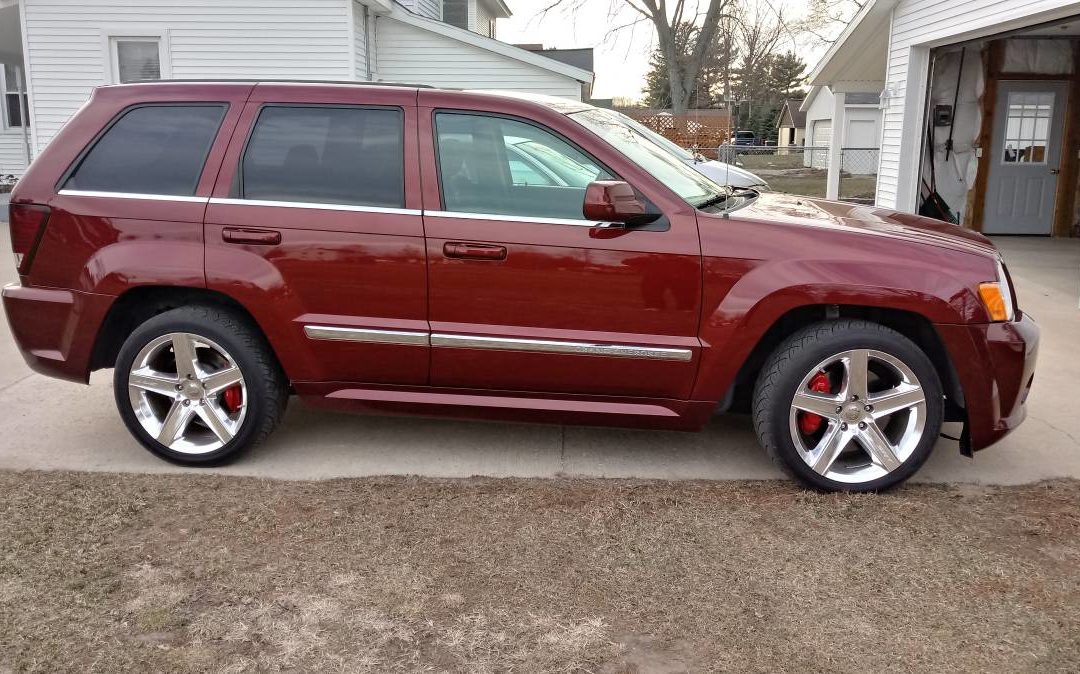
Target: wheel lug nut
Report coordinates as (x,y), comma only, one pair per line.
(179,387)
(843,427)
(854,398)
(869,408)
(838,409)
(862,425)
(186,403)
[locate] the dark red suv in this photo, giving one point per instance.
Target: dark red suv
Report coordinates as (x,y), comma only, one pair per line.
(401,249)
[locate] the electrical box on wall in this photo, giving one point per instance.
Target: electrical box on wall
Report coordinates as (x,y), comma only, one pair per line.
(943,115)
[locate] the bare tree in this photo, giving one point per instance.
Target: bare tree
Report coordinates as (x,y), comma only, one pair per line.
(683,65)
(825,18)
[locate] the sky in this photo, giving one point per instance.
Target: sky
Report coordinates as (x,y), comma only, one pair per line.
(622,59)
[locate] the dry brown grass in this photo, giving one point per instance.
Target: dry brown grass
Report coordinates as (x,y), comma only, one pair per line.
(178,573)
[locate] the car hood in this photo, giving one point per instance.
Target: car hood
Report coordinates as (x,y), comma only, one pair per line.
(726,174)
(865,220)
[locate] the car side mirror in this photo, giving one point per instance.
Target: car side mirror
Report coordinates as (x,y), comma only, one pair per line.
(612,201)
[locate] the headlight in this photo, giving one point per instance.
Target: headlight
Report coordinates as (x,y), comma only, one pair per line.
(997,296)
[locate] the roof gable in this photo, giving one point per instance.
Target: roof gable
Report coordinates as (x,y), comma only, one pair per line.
(492,45)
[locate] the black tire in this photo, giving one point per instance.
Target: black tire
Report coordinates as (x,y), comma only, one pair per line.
(265,382)
(794,359)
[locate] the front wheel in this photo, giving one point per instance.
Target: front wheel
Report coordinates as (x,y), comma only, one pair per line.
(198,385)
(848,405)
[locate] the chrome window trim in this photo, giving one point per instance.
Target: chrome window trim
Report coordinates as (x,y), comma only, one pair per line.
(553,346)
(513,218)
(315,205)
(368,335)
(132,195)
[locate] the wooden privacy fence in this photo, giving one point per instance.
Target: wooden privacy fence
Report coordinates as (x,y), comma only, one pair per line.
(703,130)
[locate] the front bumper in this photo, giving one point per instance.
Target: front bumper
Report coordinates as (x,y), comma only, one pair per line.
(996,366)
(55,329)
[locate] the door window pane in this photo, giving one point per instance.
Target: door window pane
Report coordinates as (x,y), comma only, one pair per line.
(137,60)
(154,149)
(1027,127)
(503,166)
(327,154)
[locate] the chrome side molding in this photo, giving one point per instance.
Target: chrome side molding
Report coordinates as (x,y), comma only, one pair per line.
(438,339)
(370,336)
(553,346)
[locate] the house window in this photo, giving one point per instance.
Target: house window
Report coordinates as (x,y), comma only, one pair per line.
(136,59)
(1027,127)
(16,102)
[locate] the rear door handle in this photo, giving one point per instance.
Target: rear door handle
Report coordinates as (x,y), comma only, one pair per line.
(261,237)
(473,251)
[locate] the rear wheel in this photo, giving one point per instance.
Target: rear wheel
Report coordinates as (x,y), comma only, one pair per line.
(198,385)
(848,406)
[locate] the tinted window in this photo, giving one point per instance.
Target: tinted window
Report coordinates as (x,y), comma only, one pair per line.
(156,149)
(324,154)
(502,166)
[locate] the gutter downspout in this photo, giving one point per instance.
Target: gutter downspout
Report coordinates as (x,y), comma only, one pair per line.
(371,33)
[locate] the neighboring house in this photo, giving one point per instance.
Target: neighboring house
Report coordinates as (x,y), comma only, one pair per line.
(579,58)
(1013,71)
(791,125)
(860,127)
(69,47)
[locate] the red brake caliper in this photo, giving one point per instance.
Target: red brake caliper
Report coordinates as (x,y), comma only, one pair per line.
(232,398)
(810,423)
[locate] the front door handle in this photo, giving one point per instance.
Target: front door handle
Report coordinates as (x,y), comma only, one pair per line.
(1055,172)
(260,237)
(473,251)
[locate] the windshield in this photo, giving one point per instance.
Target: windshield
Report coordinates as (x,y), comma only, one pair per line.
(658,160)
(660,140)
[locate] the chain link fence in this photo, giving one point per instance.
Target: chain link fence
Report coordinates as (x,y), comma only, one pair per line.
(804,169)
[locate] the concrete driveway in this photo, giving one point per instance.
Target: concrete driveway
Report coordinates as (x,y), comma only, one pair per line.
(53,425)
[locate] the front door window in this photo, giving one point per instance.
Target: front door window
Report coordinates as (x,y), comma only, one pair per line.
(500,166)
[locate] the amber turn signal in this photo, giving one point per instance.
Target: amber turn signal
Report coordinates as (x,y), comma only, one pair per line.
(994,301)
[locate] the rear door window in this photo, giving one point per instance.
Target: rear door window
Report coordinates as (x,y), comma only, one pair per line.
(326,154)
(151,149)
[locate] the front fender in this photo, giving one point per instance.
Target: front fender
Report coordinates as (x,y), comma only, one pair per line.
(740,313)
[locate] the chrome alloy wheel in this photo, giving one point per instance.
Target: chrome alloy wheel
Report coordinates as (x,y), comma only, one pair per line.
(866,424)
(188,393)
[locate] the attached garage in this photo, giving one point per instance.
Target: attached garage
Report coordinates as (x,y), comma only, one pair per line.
(982,109)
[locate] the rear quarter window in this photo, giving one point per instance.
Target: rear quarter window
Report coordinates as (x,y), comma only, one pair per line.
(151,149)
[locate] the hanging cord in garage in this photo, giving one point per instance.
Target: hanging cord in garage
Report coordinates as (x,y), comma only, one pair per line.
(955,101)
(933,206)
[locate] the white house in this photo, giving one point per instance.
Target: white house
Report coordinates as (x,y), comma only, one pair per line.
(992,86)
(61,49)
(860,124)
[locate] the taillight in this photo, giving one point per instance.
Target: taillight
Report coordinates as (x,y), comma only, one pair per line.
(27,226)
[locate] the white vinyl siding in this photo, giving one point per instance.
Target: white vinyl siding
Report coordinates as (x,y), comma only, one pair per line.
(12,152)
(270,39)
(919,24)
(431,9)
(484,19)
(410,54)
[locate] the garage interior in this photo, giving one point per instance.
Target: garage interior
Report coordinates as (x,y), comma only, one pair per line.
(1003,122)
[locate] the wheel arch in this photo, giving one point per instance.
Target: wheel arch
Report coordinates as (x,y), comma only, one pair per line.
(137,305)
(916,327)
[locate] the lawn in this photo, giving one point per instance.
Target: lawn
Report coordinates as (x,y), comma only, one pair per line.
(179,573)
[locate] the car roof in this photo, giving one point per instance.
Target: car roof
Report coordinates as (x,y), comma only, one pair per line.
(563,106)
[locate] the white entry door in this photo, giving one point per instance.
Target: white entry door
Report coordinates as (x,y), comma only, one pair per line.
(1025,158)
